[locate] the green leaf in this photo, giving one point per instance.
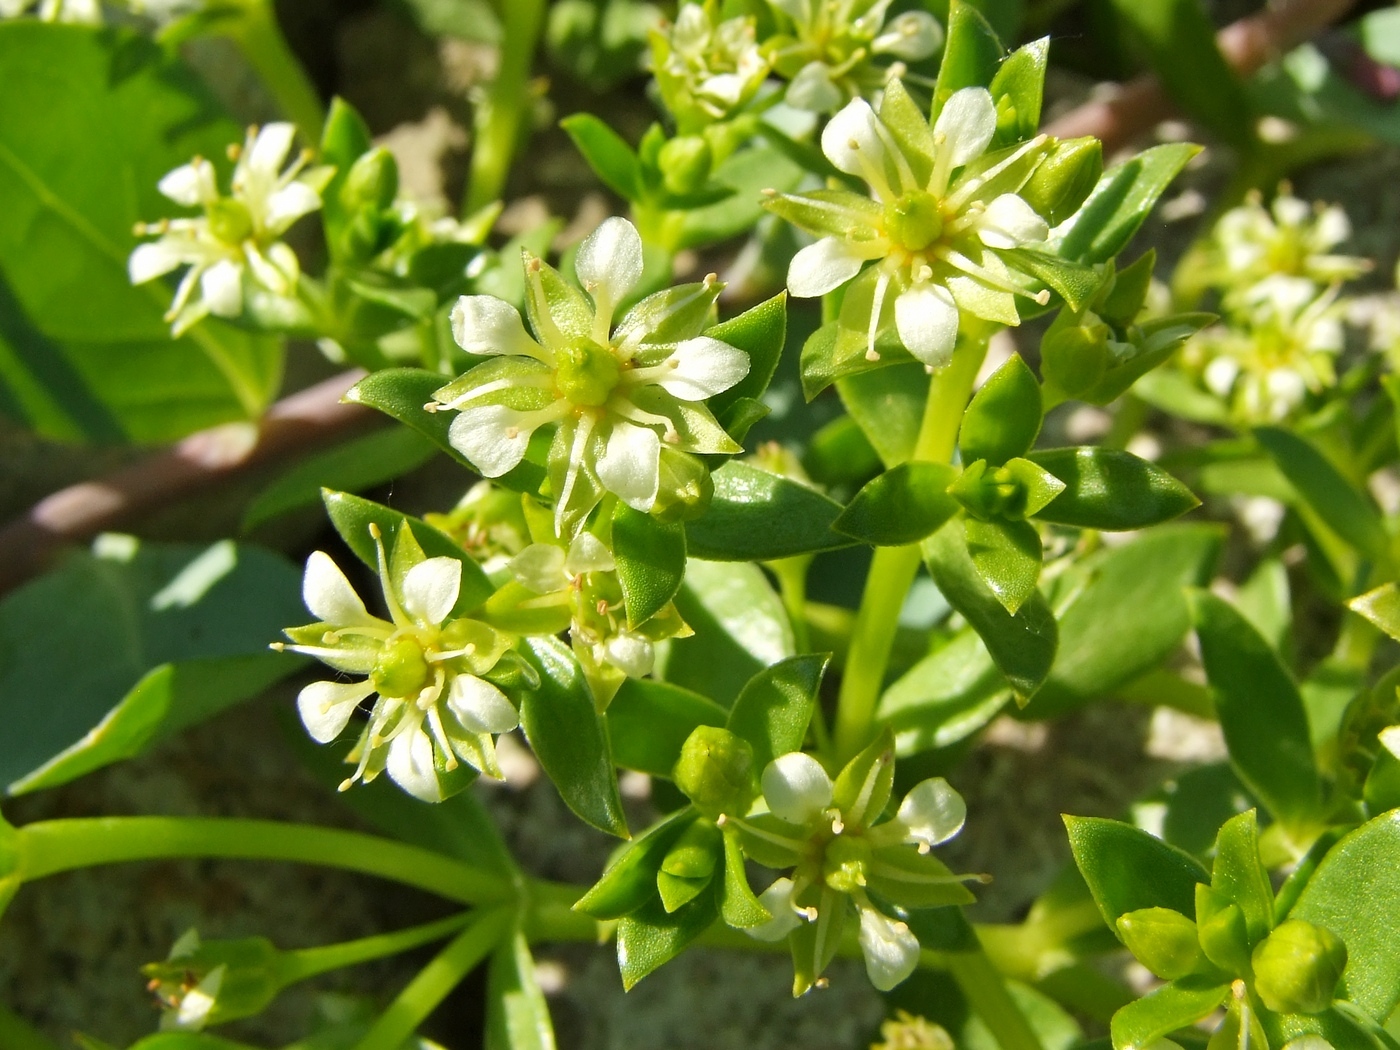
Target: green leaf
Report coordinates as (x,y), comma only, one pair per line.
(775,706)
(1021,82)
(629,880)
(353,516)
(738,904)
(1107,488)
(758,516)
(945,697)
(888,405)
(91,120)
(1007,555)
(1003,418)
(1122,200)
(1381,607)
(517,1016)
(648,721)
(1128,870)
(612,160)
(748,172)
(971,54)
(1260,711)
(1073,282)
(1022,644)
(569,736)
(1177,1005)
(1334,499)
(1238,873)
(650,562)
(119,648)
(901,506)
(650,937)
(760,332)
(355,465)
(1179,38)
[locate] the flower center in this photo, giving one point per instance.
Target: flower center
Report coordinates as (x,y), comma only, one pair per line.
(229,221)
(402,669)
(914,221)
(844,867)
(587,373)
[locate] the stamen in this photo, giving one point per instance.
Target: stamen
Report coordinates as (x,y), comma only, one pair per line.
(396,612)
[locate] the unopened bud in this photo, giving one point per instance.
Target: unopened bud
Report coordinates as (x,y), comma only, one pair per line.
(684,489)
(1221,927)
(1163,940)
(1064,179)
(685,163)
(372,182)
(1297,967)
(1073,357)
(716,772)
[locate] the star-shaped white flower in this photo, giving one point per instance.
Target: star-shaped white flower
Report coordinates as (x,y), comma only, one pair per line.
(707,68)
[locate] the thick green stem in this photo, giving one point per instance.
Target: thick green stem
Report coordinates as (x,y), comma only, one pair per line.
(308,962)
(503,105)
(987,994)
(892,569)
(264,47)
(435,981)
(51,846)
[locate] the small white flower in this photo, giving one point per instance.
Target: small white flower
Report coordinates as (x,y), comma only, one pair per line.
(797,788)
(235,246)
(707,69)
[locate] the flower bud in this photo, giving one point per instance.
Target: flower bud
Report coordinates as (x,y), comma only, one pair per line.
(373,181)
(1163,940)
(685,163)
(684,488)
(1297,967)
(1073,357)
(715,771)
(1221,928)
(1064,179)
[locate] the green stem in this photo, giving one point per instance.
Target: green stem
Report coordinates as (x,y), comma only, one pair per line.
(792,587)
(987,994)
(435,981)
(503,104)
(51,846)
(892,569)
(264,47)
(308,962)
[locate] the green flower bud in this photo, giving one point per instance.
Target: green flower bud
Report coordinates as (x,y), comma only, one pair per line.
(1297,967)
(715,771)
(1074,357)
(846,864)
(1064,178)
(402,670)
(685,487)
(373,181)
(1223,934)
(685,163)
(1163,940)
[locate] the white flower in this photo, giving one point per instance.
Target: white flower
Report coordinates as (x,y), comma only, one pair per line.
(434,708)
(707,69)
(786,916)
(944,225)
(616,396)
(235,246)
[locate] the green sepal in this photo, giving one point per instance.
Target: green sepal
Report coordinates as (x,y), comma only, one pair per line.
(761,849)
(629,880)
(677,890)
(901,506)
(1163,940)
(650,936)
(1017,91)
(1177,1005)
(971,54)
(1004,417)
(1239,875)
(1109,489)
(10,861)
(862,788)
(923,880)
(1224,935)
(739,906)
(1381,606)
(807,963)
(1240,1028)
(1122,300)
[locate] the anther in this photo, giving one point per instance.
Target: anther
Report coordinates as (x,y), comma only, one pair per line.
(710,279)
(769,191)
(821,983)
(872,354)
(924,847)
(602,607)
(721,820)
(1042,296)
(512,433)
(374,532)
(837,825)
(432,406)
(533,265)
(853,144)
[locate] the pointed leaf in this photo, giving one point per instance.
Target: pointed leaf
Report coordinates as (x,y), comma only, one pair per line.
(1021,82)
(517,1016)
(650,558)
(1122,200)
(1239,874)
(1107,488)
(971,54)
(1007,555)
(1003,418)
(760,332)
(612,160)
(739,905)
(759,516)
(629,880)
(648,721)
(775,707)
(1177,1005)
(651,937)
(1381,607)
(1128,870)
(901,506)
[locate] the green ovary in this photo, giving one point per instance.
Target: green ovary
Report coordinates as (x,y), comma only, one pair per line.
(229,221)
(402,670)
(587,373)
(914,221)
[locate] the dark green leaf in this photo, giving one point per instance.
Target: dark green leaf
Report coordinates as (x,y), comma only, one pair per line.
(570,738)
(648,722)
(945,697)
(612,160)
(1022,645)
(1003,418)
(760,332)
(650,562)
(1021,82)
(1173,1006)
(758,516)
(1007,555)
(774,708)
(650,937)
(167,635)
(1107,488)
(1122,200)
(356,465)
(888,404)
(1260,710)
(630,878)
(353,516)
(902,505)
(92,119)
(748,173)
(1128,870)
(517,1016)
(971,54)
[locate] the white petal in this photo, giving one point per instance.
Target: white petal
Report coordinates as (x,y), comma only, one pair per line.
(1332,228)
(480,706)
(851,140)
(328,594)
(149,261)
(271,147)
(702,367)
(326,707)
(196,1005)
(630,465)
(1390,739)
(493,437)
(932,812)
(190,184)
(1220,375)
(814,90)
(540,567)
(410,764)
(823,267)
(927,322)
(1010,222)
(1290,211)
(483,324)
(912,36)
(891,951)
(796,787)
(609,260)
(429,589)
(588,554)
(968,122)
(221,288)
(289,204)
(631,654)
(777,898)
